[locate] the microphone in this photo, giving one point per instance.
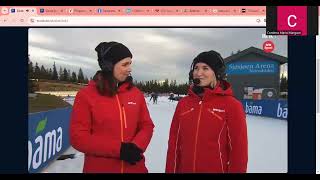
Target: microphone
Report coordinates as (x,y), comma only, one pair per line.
(196,88)
(129,78)
(196,81)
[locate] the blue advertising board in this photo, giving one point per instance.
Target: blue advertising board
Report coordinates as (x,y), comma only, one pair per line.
(269,67)
(269,108)
(48,137)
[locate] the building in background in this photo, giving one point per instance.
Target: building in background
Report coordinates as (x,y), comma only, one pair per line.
(254,74)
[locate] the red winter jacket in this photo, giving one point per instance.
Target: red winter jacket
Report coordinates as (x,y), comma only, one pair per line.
(208,135)
(99,124)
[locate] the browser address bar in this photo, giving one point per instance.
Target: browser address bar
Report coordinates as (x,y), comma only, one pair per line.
(147,21)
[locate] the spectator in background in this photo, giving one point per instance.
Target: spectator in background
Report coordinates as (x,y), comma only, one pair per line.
(171,97)
(155,98)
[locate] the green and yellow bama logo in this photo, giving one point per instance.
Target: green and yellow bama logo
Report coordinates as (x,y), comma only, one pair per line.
(45,145)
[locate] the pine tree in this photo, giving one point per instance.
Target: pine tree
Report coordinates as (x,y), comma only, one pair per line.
(69,76)
(50,74)
(43,72)
(283,84)
(86,80)
(60,74)
(165,86)
(37,71)
(155,86)
(54,73)
(74,77)
(80,76)
(65,75)
(173,86)
(30,68)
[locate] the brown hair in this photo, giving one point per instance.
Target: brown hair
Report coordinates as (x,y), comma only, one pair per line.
(106,84)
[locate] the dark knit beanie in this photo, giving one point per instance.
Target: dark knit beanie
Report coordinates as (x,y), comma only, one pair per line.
(214,60)
(109,53)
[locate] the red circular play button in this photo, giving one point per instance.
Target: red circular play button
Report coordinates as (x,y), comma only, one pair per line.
(268,46)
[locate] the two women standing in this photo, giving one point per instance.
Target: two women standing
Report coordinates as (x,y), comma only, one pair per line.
(111,124)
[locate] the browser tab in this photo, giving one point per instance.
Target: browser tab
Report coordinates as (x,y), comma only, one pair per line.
(252,10)
(20,10)
(224,10)
(4,10)
(111,11)
(12,10)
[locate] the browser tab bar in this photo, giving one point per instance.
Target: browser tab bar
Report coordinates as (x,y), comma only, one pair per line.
(157,10)
(87,16)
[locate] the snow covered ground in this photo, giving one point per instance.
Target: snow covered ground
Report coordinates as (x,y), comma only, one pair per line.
(267,143)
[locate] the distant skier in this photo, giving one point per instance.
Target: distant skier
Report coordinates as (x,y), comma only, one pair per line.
(151,96)
(171,97)
(155,98)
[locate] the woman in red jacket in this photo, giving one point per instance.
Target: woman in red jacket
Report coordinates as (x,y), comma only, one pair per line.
(110,122)
(208,133)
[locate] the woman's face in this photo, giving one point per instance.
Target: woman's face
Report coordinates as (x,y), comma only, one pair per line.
(206,75)
(122,69)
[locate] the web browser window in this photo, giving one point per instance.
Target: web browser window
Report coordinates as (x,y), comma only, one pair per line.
(164,42)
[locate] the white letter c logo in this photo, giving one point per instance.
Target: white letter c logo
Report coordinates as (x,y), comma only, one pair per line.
(292,16)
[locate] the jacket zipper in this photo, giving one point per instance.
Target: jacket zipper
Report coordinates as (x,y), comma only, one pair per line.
(195,145)
(121,128)
(176,149)
(124,117)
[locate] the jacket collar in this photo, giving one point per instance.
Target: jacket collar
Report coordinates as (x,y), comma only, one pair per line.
(222,88)
(122,87)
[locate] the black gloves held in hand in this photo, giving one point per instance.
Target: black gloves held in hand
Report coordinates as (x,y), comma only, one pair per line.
(130,153)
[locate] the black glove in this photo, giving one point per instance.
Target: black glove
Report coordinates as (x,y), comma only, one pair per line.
(130,153)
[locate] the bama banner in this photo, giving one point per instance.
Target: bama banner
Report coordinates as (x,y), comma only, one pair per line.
(48,137)
(268,108)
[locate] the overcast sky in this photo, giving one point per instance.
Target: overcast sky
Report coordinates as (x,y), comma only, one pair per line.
(158,53)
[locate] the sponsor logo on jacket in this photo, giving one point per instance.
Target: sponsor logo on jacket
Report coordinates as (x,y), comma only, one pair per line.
(218,110)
